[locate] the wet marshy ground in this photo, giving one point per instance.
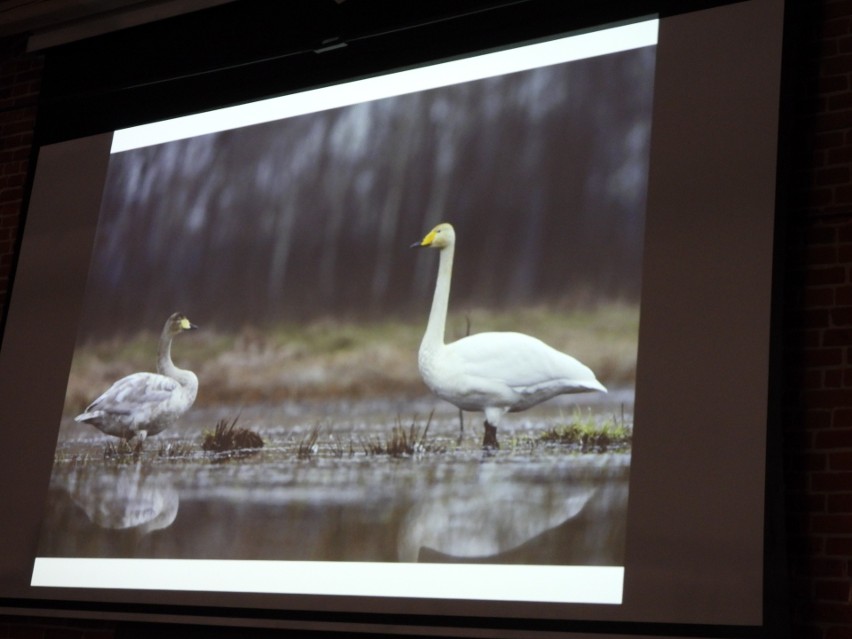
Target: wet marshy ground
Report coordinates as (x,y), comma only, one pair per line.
(372,480)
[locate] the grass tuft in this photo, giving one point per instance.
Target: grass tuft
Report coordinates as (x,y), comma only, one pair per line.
(227,437)
(588,435)
(308,446)
(123,450)
(174,450)
(404,442)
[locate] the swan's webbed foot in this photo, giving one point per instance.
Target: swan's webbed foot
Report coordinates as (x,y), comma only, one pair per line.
(489,440)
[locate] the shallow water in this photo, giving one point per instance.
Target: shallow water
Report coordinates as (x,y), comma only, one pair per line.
(333,499)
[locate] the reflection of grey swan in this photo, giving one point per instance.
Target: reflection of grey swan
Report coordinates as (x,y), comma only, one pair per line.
(127,498)
(491,372)
(145,404)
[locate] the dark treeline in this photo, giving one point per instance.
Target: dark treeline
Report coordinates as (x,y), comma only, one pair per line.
(543,173)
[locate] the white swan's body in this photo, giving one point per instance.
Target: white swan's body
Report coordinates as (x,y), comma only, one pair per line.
(145,404)
(494,373)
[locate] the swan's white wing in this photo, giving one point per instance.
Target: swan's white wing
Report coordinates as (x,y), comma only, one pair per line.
(135,394)
(522,362)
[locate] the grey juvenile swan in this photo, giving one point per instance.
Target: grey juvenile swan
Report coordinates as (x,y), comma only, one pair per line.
(145,404)
(494,373)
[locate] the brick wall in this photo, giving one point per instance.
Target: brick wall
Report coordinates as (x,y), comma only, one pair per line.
(817,332)
(816,318)
(20,76)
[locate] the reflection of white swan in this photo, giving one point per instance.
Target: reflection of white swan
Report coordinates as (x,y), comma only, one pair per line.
(145,404)
(486,520)
(127,498)
(491,372)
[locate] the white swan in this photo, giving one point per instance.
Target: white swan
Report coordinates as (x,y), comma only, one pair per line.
(494,373)
(145,404)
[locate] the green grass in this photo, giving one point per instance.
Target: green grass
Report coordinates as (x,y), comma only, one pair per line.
(587,434)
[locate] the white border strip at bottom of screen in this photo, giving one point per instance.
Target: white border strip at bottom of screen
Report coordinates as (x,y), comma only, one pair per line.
(547,584)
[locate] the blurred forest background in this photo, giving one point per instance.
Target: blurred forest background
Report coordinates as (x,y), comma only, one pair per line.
(543,174)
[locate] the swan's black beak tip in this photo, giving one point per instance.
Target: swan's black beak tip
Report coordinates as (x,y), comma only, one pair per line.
(416,245)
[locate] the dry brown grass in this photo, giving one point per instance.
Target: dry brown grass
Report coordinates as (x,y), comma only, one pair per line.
(228,437)
(332,358)
(404,441)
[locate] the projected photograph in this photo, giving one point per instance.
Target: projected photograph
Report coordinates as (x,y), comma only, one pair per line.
(401,330)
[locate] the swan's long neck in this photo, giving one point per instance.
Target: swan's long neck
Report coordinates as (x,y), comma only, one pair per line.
(165,365)
(434,336)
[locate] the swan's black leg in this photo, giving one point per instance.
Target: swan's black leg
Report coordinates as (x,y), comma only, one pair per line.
(489,440)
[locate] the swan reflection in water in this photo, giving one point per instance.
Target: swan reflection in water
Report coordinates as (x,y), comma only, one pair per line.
(125,497)
(559,510)
(503,519)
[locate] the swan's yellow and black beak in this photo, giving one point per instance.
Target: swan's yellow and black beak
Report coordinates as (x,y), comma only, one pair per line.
(426,241)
